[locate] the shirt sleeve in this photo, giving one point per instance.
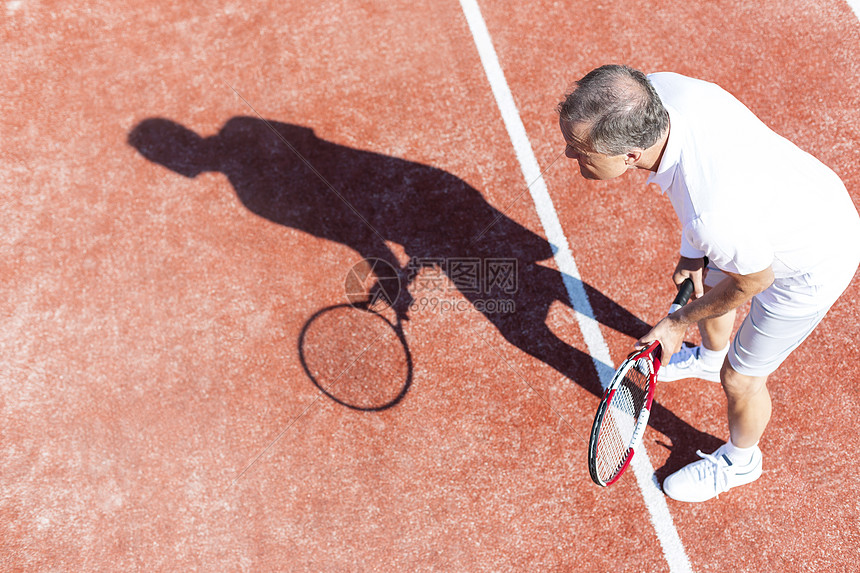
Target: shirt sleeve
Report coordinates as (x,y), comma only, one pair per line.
(689,251)
(732,242)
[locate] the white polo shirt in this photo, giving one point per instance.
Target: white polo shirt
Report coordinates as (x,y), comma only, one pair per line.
(748,198)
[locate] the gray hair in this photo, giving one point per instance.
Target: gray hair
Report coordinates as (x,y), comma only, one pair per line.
(620,107)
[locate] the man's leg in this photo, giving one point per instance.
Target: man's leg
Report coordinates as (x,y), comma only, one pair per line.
(762,343)
(749,406)
(767,336)
(716,332)
(739,461)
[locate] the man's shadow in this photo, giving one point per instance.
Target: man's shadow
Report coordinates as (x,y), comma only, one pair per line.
(286,174)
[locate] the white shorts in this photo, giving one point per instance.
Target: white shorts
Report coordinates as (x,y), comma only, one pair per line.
(765,339)
(780,319)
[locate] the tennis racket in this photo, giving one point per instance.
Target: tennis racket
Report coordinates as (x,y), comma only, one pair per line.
(625,407)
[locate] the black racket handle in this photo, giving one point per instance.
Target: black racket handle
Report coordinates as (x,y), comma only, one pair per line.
(685,291)
(683,296)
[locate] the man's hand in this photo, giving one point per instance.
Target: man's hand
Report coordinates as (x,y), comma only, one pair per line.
(670,332)
(694,269)
(728,294)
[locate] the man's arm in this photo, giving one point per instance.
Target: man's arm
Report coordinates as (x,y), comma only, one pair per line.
(727,295)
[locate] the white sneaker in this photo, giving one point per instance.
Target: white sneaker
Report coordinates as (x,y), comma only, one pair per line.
(711,476)
(686,363)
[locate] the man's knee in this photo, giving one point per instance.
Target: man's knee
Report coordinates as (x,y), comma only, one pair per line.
(737,384)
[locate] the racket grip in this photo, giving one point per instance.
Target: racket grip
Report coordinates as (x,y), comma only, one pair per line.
(685,291)
(683,296)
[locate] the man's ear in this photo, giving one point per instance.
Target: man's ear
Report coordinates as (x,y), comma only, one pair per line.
(632,157)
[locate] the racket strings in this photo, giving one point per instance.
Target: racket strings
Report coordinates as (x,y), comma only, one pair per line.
(621,418)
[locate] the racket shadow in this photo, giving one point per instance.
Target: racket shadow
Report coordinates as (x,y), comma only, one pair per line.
(356,356)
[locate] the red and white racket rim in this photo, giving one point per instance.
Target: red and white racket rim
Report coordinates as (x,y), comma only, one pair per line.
(605,468)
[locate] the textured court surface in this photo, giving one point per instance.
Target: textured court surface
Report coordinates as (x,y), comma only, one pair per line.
(186,191)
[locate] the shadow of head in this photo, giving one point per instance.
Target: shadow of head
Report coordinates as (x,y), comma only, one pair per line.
(172,145)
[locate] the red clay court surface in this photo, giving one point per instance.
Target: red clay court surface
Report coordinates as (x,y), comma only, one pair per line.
(166,257)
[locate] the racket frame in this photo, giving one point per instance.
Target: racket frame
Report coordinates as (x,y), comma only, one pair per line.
(653,354)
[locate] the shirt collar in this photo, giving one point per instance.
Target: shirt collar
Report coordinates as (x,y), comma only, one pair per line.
(665,174)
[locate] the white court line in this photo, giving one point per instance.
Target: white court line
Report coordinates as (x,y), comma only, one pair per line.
(855,5)
(673,549)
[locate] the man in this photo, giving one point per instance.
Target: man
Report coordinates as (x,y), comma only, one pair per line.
(777,226)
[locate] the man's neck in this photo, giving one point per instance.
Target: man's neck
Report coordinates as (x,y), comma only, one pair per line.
(652,156)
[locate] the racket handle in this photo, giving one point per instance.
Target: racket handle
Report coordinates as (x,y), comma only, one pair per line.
(683,296)
(685,291)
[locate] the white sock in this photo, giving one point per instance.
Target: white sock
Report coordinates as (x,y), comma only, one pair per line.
(739,456)
(713,359)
